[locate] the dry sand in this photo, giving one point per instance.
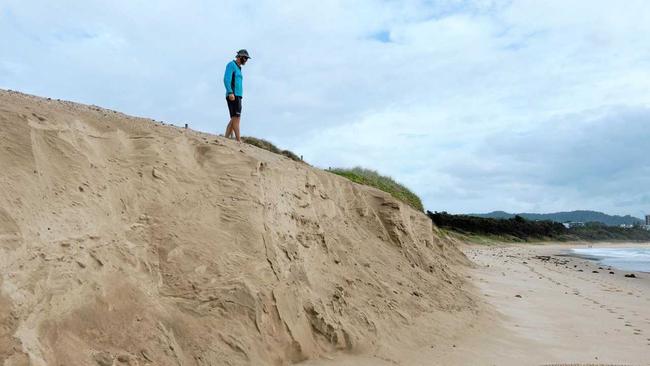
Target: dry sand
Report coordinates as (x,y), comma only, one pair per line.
(126,241)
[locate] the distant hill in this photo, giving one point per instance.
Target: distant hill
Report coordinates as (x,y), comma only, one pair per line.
(575,216)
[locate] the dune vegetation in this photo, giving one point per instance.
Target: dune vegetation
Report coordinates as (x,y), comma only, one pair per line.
(266,145)
(387,184)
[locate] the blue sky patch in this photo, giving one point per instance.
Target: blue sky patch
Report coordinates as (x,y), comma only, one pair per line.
(381,36)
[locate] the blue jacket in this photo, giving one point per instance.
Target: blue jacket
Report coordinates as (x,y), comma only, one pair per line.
(233,79)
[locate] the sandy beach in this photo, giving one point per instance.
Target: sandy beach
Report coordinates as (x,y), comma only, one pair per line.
(127,241)
(542,308)
(572,310)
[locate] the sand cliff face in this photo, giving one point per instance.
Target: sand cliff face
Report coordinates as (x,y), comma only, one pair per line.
(124,241)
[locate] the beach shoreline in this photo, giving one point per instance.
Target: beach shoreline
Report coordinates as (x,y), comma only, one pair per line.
(539,306)
(630,257)
(574,310)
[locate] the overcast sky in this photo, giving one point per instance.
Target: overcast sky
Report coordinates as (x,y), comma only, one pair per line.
(522,106)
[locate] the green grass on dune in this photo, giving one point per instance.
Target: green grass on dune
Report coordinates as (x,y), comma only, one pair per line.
(266,145)
(358,175)
(387,184)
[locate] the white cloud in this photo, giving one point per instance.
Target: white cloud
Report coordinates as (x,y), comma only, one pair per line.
(430,92)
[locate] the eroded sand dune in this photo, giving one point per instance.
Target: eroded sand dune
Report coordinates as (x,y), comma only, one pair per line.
(125,241)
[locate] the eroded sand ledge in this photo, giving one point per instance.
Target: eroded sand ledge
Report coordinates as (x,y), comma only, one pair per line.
(125,241)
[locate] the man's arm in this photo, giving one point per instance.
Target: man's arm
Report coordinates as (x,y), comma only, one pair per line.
(227,79)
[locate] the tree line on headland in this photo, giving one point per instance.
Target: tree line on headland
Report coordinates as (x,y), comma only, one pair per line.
(521,229)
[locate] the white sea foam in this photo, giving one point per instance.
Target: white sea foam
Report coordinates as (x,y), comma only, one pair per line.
(629,259)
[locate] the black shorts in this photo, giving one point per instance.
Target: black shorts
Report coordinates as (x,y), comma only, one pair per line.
(234,106)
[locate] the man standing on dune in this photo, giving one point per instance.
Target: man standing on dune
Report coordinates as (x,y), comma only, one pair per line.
(233,80)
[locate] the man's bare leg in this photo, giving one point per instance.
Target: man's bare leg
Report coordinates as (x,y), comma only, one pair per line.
(229,128)
(235,127)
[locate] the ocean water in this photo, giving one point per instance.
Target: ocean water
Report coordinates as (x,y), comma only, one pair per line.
(627,259)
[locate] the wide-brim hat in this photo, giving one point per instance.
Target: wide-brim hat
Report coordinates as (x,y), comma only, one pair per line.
(243,53)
